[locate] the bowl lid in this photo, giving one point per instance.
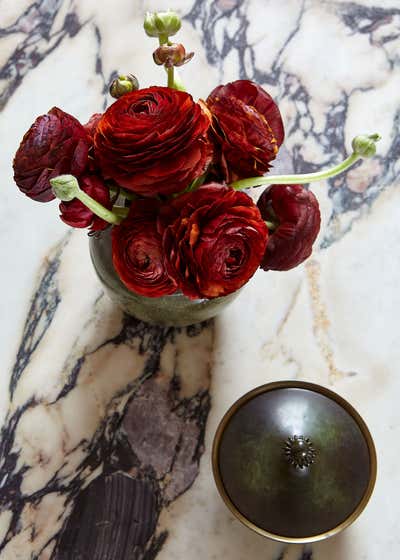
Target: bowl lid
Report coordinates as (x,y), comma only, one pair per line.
(294,461)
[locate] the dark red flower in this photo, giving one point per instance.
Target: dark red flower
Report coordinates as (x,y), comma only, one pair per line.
(137,251)
(92,123)
(214,239)
(295,210)
(78,215)
(90,128)
(247,128)
(55,144)
(153,141)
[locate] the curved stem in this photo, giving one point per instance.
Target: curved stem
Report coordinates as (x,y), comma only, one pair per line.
(98,208)
(297,179)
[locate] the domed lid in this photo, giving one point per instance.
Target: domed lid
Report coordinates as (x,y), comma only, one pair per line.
(294,461)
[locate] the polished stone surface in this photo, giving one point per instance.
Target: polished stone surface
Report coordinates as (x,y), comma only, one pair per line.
(96,406)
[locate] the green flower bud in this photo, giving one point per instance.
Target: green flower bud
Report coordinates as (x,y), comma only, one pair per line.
(161,24)
(65,187)
(123,84)
(365,145)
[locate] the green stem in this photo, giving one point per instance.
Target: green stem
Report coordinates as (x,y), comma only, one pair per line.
(98,208)
(270,225)
(178,84)
(127,194)
(114,190)
(170,72)
(195,184)
(174,80)
(120,211)
(296,179)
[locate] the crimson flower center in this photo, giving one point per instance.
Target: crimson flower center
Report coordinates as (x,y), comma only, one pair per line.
(142,107)
(234,260)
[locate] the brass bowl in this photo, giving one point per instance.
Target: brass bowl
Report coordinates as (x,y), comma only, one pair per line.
(294,462)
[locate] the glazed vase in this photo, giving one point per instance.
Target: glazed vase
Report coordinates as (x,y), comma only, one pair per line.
(171,310)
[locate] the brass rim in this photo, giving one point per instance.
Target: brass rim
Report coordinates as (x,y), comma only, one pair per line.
(323,391)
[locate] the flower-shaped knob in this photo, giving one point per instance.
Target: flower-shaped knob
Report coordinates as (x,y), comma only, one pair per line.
(300,451)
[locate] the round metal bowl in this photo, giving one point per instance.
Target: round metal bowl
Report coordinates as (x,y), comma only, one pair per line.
(294,461)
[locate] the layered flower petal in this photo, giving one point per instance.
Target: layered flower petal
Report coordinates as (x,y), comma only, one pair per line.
(295,210)
(153,141)
(92,123)
(55,144)
(77,215)
(138,254)
(214,238)
(90,128)
(247,129)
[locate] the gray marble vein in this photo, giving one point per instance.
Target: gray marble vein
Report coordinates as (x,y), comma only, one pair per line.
(151,429)
(230,20)
(36,24)
(107,423)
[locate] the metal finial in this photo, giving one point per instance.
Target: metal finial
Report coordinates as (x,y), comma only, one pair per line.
(300,451)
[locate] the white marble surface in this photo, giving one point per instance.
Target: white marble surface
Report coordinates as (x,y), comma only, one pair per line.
(76,365)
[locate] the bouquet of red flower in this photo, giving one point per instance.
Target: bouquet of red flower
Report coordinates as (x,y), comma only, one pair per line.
(166,173)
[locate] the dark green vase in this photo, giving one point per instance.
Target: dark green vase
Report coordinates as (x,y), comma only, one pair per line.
(173,310)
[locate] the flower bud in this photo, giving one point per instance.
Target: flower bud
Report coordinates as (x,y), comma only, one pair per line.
(65,187)
(365,145)
(296,218)
(160,24)
(171,55)
(123,84)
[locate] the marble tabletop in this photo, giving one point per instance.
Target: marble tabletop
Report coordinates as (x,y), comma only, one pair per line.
(106,422)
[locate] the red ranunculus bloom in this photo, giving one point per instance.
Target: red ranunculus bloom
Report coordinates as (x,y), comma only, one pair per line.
(137,252)
(92,123)
(247,128)
(298,218)
(153,141)
(90,128)
(78,215)
(55,144)
(214,240)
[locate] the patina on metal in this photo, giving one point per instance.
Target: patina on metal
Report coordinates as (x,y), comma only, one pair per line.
(294,461)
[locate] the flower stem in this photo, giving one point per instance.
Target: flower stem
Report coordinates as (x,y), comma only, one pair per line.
(115,190)
(195,184)
(178,84)
(98,208)
(364,146)
(120,211)
(174,80)
(170,72)
(66,188)
(163,40)
(296,179)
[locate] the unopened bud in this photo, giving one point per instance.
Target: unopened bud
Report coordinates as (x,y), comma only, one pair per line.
(123,84)
(161,24)
(365,145)
(65,187)
(171,55)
